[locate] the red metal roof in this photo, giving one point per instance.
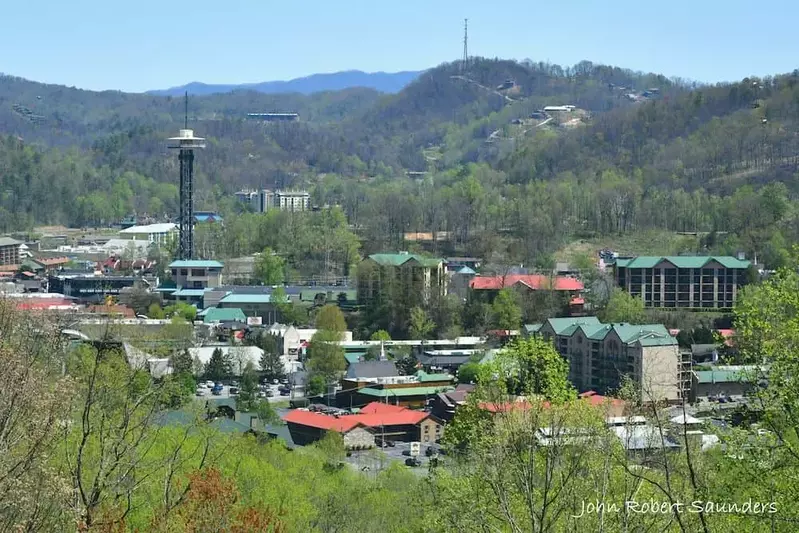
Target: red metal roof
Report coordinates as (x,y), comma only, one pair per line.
(577,301)
(318,420)
(377,418)
(378,407)
(533,281)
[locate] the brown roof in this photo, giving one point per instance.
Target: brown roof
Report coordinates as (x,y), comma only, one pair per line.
(115,309)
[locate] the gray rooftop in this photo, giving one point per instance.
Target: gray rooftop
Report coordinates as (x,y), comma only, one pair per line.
(372,369)
(8,241)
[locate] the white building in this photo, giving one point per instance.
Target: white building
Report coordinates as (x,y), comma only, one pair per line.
(153,233)
(241,355)
(292,340)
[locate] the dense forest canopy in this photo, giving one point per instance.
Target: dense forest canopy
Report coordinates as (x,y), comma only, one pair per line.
(687,157)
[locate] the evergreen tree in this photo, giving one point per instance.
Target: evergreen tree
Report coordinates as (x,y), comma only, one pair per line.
(219,366)
(247,400)
(182,362)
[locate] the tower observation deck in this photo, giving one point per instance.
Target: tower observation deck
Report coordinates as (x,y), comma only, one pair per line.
(186,143)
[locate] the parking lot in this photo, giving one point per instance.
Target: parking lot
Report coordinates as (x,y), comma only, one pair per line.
(377,459)
(225,393)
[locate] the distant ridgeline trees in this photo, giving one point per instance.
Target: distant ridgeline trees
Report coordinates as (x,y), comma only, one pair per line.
(693,159)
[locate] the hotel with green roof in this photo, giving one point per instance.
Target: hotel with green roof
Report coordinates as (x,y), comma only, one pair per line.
(599,355)
(693,282)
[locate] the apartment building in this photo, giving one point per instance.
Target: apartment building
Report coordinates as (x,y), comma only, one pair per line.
(413,273)
(599,355)
(266,199)
(9,251)
(700,282)
(196,273)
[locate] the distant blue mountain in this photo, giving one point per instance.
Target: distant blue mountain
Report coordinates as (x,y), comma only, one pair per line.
(386,82)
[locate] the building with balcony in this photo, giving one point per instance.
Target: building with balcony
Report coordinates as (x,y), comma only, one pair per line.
(700,282)
(410,273)
(10,251)
(196,273)
(599,355)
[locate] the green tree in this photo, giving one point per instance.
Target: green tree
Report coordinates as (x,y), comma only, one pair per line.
(247,399)
(219,366)
(420,326)
(182,362)
(290,313)
(506,312)
(623,307)
(269,268)
(330,318)
(530,366)
(271,363)
(468,372)
(326,356)
(316,385)
(155,312)
(182,310)
(380,335)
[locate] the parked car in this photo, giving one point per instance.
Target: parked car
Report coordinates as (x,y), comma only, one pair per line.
(269,393)
(431,451)
(209,384)
(384,443)
(216,392)
(284,392)
(275,382)
(233,391)
(200,392)
(413,461)
(406,452)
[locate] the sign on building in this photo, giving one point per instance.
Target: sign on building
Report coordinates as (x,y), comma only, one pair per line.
(254,321)
(416,448)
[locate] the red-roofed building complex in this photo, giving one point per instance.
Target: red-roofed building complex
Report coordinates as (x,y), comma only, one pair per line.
(534,282)
(389,422)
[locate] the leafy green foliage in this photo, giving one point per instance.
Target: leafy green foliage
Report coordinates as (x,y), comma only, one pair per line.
(623,307)
(247,399)
(219,367)
(325,356)
(269,268)
(420,326)
(507,314)
(330,318)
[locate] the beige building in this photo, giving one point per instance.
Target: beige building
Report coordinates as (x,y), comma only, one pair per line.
(196,273)
(410,273)
(599,355)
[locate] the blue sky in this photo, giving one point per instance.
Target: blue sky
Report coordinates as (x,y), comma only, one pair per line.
(148,44)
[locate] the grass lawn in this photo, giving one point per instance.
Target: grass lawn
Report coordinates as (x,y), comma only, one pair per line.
(652,242)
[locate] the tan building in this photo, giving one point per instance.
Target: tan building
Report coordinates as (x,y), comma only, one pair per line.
(683,281)
(196,273)
(9,251)
(410,273)
(599,355)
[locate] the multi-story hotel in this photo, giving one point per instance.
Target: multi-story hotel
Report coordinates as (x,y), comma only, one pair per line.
(599,355)
(683,281)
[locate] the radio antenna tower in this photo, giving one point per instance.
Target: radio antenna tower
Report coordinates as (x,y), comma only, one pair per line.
(465,62)
(186,142)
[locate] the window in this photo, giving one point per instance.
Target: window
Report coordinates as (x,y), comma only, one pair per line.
(184,271)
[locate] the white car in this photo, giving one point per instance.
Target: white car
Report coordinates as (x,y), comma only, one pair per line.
(209,384)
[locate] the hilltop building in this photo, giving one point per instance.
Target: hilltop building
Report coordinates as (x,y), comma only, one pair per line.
(414,273)
(700,282)
(266,199)
(599,355)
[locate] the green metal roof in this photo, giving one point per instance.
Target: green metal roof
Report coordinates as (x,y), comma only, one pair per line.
(354,357)
(409,391)
(682,261)
(561,324)
(401,259)
(234,298)
(217,314)
(532,328)
(721,376)
(195,263)
(424,377)
(189,293)
(630,333)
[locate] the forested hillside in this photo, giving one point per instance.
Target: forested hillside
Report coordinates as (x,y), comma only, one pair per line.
(690,158)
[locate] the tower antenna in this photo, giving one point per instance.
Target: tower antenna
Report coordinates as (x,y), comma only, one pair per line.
(186,143)
(465,62)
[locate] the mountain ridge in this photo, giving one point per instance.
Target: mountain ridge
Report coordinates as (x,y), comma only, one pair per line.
(385,82)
